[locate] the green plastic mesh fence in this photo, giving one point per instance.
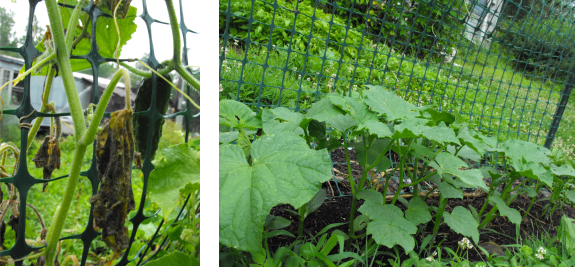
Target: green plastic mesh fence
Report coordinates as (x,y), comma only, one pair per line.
(23,181)
(507,66)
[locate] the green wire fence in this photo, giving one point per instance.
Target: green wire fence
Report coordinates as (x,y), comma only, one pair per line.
(23,181)
(507,66)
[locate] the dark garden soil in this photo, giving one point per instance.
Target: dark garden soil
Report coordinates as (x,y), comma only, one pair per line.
(337,210)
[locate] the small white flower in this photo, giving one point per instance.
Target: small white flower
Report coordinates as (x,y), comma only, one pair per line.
(539,256)
(465,243)
(434,253)
(221,88)
(430,259)
(542,251)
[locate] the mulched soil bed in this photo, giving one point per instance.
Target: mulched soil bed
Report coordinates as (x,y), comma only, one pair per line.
(336,210)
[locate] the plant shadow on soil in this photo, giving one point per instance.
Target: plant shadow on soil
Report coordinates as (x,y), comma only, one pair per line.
(499,231)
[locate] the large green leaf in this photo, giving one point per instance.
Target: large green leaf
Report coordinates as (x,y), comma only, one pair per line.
(410,128)
(237,115)
(388,104)
(289,123)
(533,170)
(455,181)
(228,137)
(447,163)
(417,212)
(472,142)
(376,211)
(342,122)
(465,152)
(355,108)
(440,116)
(323,110)
(519,150)
(441,134)
(449,191)
(375,150)
(563,170)
(178,169)
(489,141)
(390,231)
(284,170)
(461,221)
(511,213)
(106,35)
(371,196)
(570,194)
(175,258)
(375,127)
(388,227)
(288,115)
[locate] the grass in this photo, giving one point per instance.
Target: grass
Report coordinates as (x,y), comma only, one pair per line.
(47,202)
(483,85)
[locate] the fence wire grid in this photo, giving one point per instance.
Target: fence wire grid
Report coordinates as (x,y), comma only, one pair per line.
(23,181)
(507,66)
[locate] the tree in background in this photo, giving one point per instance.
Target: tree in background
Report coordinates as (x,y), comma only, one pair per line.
(8,36)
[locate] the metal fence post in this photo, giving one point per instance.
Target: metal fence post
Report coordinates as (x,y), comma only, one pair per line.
(559,112)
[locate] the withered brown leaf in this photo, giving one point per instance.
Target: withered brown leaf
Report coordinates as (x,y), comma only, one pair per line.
(115,198)
(48,157)
(138,160)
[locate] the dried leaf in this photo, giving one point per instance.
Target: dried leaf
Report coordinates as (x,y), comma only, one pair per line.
(42,156)
(115,198)
(138,160)
(122,9)
(48,157)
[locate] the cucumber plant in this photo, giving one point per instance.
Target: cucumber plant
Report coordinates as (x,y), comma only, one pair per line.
(266,160)
(63,51)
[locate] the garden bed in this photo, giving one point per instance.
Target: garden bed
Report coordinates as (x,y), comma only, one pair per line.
(500,231)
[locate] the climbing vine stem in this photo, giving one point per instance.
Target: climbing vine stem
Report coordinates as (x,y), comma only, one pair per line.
(177,44)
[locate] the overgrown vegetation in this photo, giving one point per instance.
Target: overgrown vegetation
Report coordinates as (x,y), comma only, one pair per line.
(288,162)
(99,253)
(423,130)
(167,204)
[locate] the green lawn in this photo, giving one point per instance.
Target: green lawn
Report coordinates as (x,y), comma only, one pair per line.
(484,87)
